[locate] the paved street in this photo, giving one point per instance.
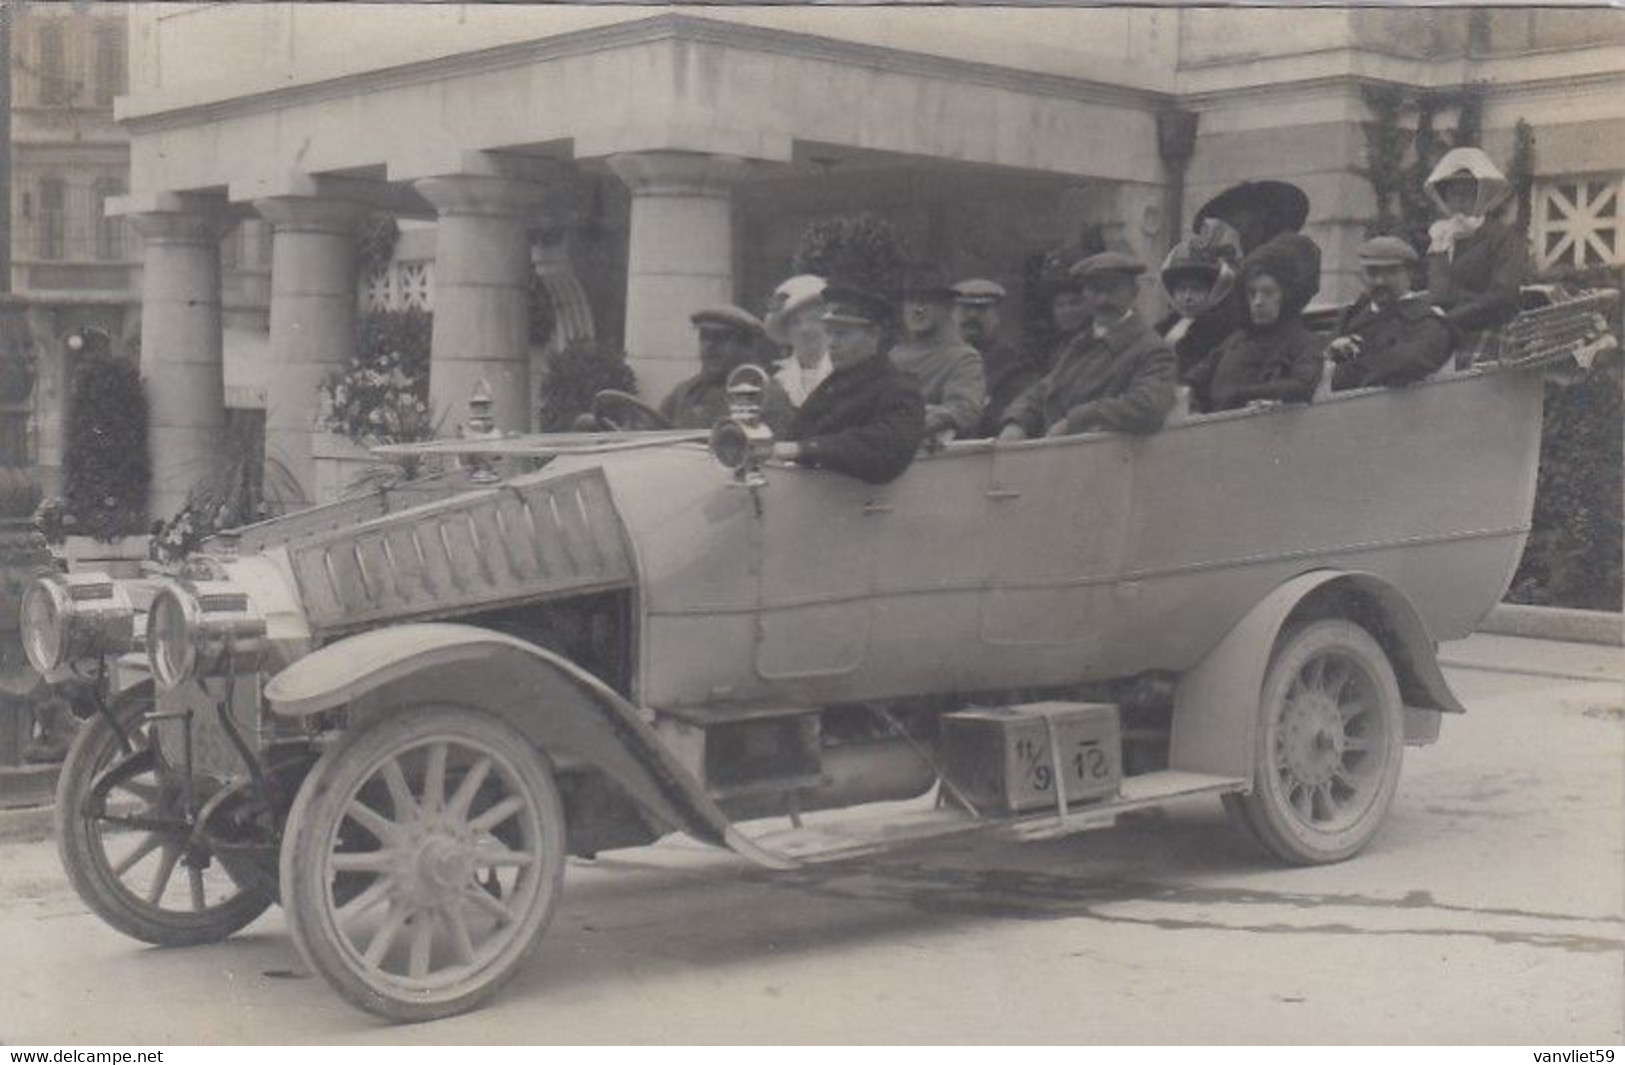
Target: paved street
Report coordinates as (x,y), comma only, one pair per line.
(1490,910)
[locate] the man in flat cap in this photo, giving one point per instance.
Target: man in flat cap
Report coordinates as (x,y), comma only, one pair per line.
(1391,335)
(1117,375)
(949,371)
(729,338)
(1009,370)
(866,419)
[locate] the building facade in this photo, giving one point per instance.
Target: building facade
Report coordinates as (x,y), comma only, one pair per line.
(648,161)
(75,265)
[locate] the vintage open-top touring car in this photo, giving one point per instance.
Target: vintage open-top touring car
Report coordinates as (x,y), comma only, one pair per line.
(399,713)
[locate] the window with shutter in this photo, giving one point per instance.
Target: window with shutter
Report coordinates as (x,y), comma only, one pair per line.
(109,64)
(50,223)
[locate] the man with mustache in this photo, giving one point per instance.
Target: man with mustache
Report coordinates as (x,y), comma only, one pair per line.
(1391,335)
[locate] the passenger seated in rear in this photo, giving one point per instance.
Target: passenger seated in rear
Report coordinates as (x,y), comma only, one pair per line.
(1475,261)
(1199,276)
(1116,375)
(866,419)
(1391,336)
(1274,358)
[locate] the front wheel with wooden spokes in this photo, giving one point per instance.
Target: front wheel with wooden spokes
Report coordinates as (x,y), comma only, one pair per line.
(422,859)
(126,841)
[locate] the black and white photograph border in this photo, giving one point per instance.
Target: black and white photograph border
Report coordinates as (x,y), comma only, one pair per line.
(811,524)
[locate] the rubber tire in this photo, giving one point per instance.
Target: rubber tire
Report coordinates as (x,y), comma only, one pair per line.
(312,820)
(95,747)
(1278,830)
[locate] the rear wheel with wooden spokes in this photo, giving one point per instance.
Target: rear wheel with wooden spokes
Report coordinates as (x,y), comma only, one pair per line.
(1329,746)
(422,859)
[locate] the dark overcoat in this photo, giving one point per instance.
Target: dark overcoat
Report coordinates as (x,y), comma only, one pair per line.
(866,421)
(1478,285)
(1010,372)
(1280,362)
(1400,342)
(1123,381)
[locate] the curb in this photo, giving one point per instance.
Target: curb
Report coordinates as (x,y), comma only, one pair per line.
(1600,627)
(27,825)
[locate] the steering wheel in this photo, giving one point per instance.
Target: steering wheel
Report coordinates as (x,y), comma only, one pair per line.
(622,412)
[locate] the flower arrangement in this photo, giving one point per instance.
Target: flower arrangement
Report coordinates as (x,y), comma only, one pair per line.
(382,396)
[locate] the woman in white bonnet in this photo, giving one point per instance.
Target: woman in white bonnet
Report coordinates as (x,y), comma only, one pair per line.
(1475,261)
(795,320)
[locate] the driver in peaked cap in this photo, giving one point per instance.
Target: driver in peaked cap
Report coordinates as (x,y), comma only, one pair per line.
(866,419)
(729,337)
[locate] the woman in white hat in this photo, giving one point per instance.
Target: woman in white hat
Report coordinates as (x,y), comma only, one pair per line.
(1475,260)
(795,321)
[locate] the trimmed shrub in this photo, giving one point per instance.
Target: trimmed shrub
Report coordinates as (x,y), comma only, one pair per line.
(862,250)
(106,472)
(573,377)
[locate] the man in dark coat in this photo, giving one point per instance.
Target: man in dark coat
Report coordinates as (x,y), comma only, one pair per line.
(1117,375)
(729,338)
(1391,336)
(1010,370)
(866,419)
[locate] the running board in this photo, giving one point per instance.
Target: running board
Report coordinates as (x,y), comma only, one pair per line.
(847,838)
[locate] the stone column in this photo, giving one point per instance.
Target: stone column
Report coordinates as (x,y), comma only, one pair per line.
(181,359)
(481,297)
(313,319)
(680,257)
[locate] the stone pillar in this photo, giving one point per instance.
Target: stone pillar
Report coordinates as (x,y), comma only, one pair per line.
(181,359)
(313,319)
(680,257)
(481,297)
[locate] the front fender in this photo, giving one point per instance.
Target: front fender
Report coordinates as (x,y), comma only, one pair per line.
(560,707)
(1216,703)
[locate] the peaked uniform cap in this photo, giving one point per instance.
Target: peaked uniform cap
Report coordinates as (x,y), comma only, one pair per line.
(729,317)
(978,290)
(855,306)
(1387,251)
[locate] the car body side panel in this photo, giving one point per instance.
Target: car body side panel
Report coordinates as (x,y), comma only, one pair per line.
(1055,562)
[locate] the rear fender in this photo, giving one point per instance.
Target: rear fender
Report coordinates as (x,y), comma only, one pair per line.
(561,708)
(1216,704)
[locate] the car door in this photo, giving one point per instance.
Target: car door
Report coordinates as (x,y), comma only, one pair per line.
(818,534)
(1058,511)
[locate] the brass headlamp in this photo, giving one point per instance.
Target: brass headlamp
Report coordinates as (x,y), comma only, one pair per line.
(202,627)
(68,616)
(742,441)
